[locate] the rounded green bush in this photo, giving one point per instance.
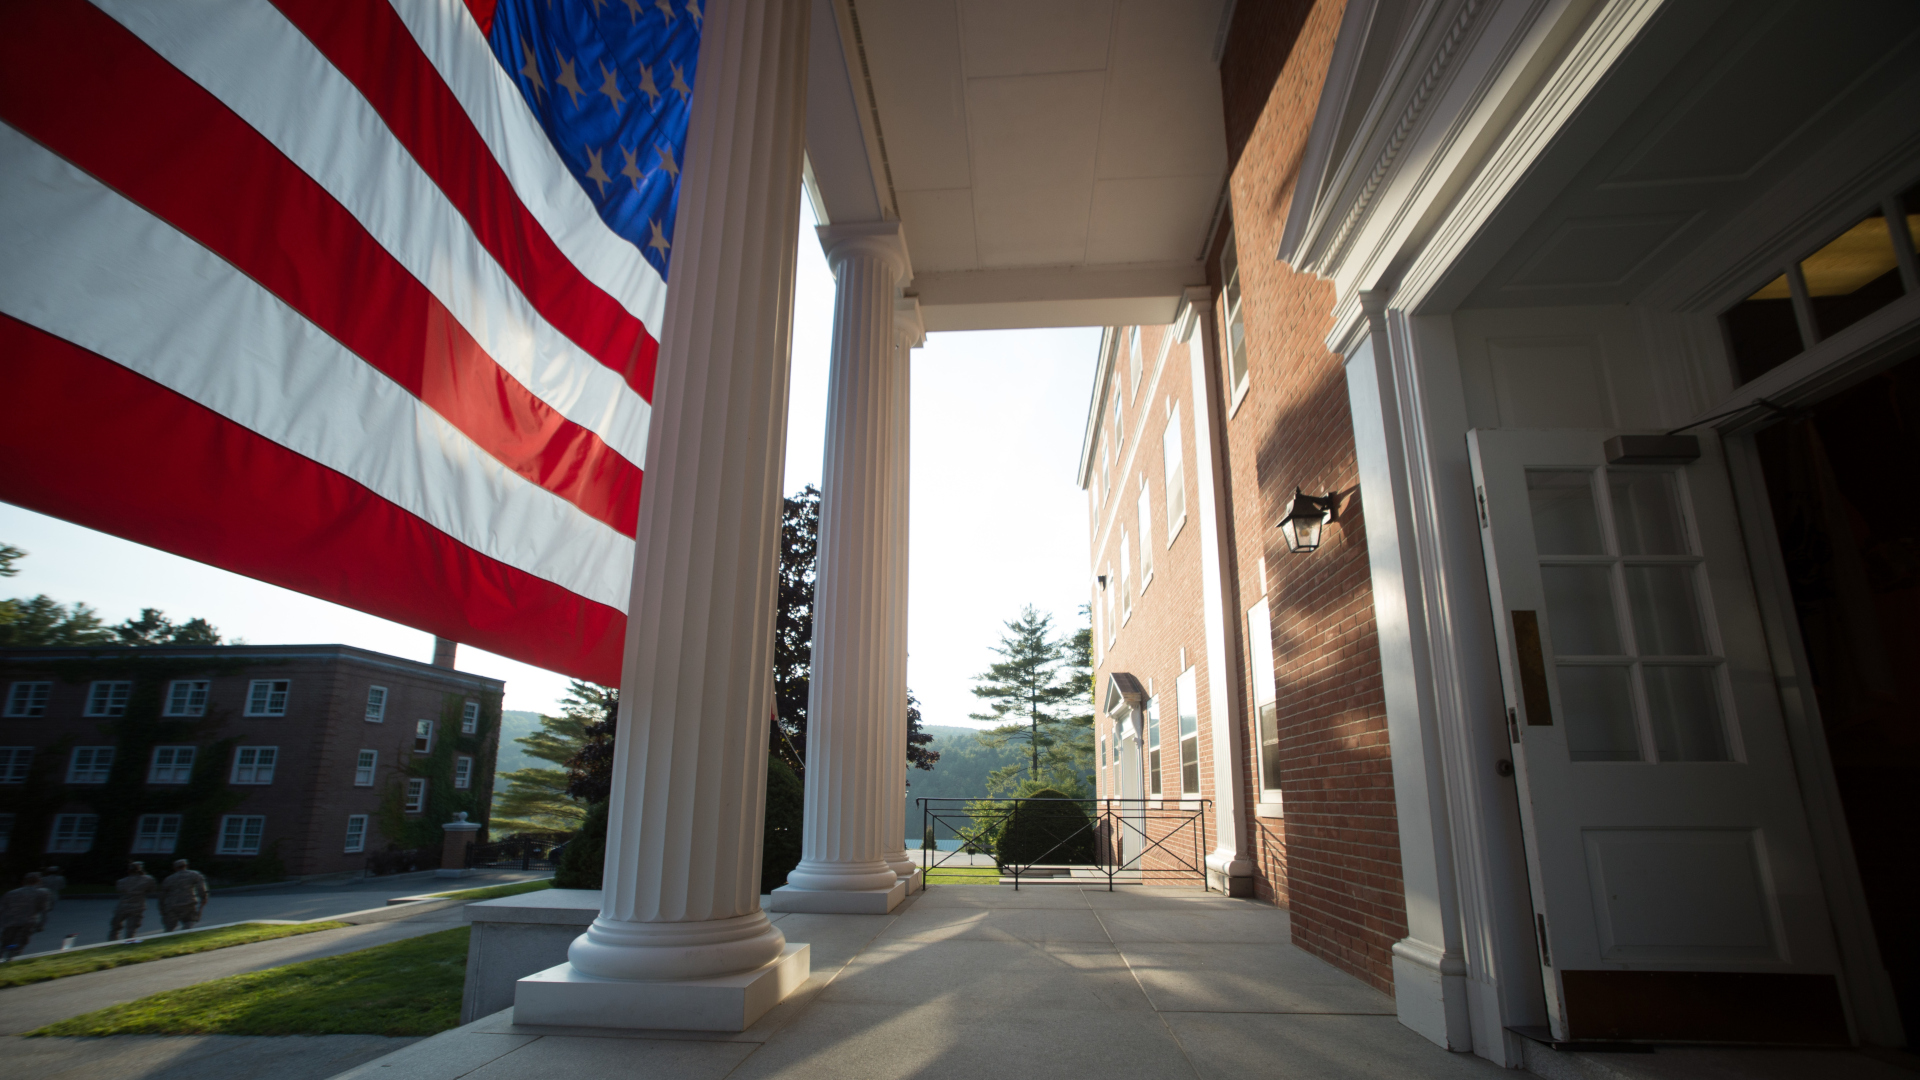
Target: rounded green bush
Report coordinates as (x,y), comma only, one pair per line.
(584,862)
(1047,833)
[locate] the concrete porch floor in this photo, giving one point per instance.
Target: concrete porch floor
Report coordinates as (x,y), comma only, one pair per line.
(1059,982)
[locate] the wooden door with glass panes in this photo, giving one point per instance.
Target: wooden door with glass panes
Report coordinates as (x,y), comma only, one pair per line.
(1670,863)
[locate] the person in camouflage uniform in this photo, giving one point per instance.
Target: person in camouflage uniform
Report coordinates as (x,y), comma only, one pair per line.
(132,907)
(23,911)
(183,896)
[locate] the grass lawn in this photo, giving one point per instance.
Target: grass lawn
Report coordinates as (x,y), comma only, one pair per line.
(494,892)
(409,987)
(55,965)
(963,875)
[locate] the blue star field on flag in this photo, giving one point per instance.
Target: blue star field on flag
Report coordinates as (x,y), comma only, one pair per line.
(611,81)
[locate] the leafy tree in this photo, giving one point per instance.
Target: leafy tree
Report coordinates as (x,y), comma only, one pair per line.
(538,799)
(793,626)
(590,770)
(42,620)
(918,754)
(1026,692)
(154,628)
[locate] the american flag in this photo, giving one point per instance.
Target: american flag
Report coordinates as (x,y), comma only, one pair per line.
(358,298)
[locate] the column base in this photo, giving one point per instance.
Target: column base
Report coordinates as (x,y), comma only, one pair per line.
(1430,993)
(563,997)
(836,901)
(915,881)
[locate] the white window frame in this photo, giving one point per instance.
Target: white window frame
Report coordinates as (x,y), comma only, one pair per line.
(171,764)
(1146,534)
(1187,705)
(470,718)
(1126,576)
(240,834)
(254,765)
(29,697)
(72,834)
(187,697)
(1108,593)
(15,763)
(365,767)
(1134,365)
(1150,735)
(423,734)
(1266,718)
(1233,310)
(268,697)
(98,764)
(1173,450)
(462,772)
(156,834)
(108,697)
(376,704)
(416,795)
(1119,421)
(356,833)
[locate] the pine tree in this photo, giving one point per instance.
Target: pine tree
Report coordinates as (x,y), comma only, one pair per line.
(1026,692)
(539,800)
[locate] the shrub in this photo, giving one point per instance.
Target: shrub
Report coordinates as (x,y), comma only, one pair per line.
(786,814)
(1049,833)
(584,862)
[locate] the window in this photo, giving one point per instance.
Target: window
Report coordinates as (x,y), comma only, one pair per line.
(1189,733)
(240,834)
(267,697)
(1170,448)
(108,697)
(13,764)
(423,736)
(1119,424)
(186,697)
(1107,592)
(171,765)
(1146,533)
(1153,748)
(1126,576)
(356,833)
(462,771)
(364,768)
(1133,358)
(376,704)
(90,765)
(72,834)
(1102,759)
(254,764)
(470,718)
(1106,473)
(416,795)
(6,832)
(156,834)
(1266,707)
(1235,338)
(28,698)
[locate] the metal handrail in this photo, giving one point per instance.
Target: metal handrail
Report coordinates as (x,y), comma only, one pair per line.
(1106,823)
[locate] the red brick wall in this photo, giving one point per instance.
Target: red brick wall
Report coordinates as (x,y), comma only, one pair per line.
(1340,849)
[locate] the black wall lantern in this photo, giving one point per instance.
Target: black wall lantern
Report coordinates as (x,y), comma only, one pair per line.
(1307,516)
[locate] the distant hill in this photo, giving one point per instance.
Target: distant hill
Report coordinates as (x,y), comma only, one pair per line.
(961,772)
(514,723)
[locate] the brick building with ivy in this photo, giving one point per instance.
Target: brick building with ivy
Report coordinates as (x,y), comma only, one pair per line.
(254,761)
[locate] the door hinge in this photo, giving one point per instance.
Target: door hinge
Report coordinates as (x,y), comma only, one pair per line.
(1546,954)
(1513,725)
(1480,496)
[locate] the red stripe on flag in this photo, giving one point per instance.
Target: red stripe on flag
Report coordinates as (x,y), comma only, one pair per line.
(163,141)
(482,12)
(112,450)
(372,47)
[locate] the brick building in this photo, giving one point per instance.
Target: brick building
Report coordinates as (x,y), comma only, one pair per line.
(248,759)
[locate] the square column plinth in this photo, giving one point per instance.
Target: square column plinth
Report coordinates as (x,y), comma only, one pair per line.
(915,881)
(563,997)
(836,901)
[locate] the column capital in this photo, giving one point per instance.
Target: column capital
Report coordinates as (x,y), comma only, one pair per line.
(909,329)
(884,240)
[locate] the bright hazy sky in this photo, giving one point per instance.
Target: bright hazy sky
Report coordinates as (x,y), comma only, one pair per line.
(996,519)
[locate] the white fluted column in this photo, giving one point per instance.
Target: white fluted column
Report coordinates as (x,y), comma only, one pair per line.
(850,705)
(908,334)
(681,941)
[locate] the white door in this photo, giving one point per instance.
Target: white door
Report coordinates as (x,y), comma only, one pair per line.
(1663,825)
(1131,821)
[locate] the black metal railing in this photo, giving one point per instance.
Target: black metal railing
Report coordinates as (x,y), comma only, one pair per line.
(521,852)
(1032,838)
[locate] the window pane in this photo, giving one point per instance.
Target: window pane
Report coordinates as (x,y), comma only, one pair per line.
(1646,514)
(1761,331)
(1270,746)
(1598,705)
(1580,610)
(1190,766)
(1853,276)
(1666,612)
(1153,770)
(1684,705)
(1564,520)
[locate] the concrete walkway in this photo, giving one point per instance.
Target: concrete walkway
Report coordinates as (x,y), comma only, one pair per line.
(192,1057)
(972,981)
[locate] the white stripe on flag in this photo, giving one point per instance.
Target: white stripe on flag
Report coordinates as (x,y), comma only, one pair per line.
(262,67)
(457,49)
(81,262)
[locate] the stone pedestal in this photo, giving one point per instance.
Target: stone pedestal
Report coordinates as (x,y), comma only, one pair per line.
(460,835)
(680,919)
(858,695)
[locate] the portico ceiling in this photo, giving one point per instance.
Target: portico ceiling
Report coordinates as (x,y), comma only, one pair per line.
(1052,164)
